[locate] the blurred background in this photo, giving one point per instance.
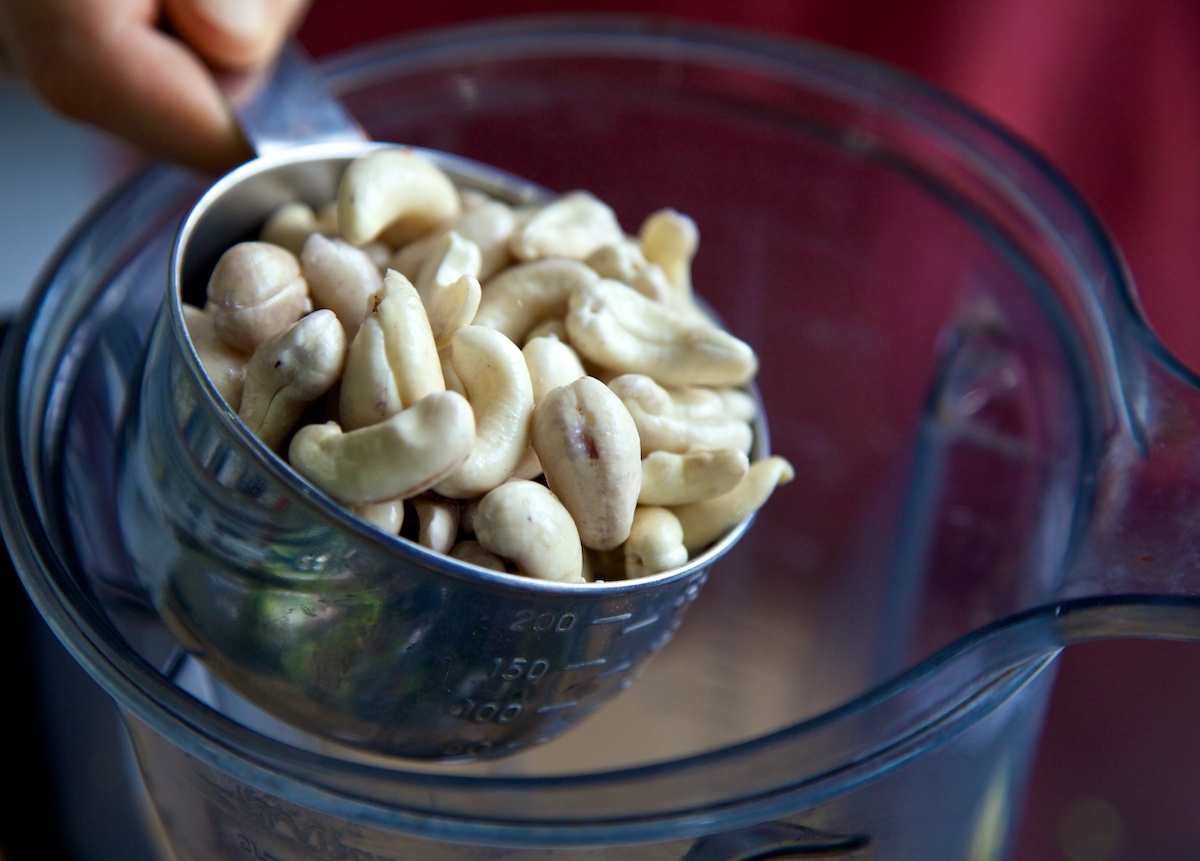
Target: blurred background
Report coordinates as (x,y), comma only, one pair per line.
(1109,90)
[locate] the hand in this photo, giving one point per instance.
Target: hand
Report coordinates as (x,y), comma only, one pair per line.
(110,64)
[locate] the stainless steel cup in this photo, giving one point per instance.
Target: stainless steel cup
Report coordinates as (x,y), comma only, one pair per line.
(351,634)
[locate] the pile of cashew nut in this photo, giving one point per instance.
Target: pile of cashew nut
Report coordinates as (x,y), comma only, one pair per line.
(536,387)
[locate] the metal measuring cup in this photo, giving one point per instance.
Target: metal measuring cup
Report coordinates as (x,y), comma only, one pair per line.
(350,634)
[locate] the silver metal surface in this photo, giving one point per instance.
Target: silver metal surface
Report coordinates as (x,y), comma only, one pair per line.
(353,635)
(287,104)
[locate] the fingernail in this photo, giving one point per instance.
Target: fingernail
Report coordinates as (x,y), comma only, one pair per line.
(245,18)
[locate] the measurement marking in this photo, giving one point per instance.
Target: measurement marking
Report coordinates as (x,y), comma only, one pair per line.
(609,620)
(583,665)
(637,626)
(557,707)
(619,668)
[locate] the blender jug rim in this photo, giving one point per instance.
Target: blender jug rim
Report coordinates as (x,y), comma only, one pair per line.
(143,691)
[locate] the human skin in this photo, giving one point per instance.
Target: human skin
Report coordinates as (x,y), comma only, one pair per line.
(143,70)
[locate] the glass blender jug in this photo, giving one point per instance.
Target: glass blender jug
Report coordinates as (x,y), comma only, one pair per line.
(994,459)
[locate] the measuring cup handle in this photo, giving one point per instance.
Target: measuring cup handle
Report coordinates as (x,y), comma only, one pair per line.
(287,104)
(1139,560)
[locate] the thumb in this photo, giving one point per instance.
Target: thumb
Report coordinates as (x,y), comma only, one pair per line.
(234,34)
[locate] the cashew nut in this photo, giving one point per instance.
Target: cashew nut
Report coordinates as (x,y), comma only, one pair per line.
(655,543)
(397,458)
(342,278)
(255,291)
(288,372)
(394,189)
(524,522)
(467,510)
(618,260)
(493,373)
(449,375)
(469,550)
(616,327)
(588,447)
(667,422)
(489,225)
(448,285)
(520,297)
(706,521)
(738,404)
(225,366)
(438,522)
(387,515)
(290,225)
(624,261)
(573,226)
(669,239)
(551,364)
(551,327)
(393,361)
(327,219)
(670,478)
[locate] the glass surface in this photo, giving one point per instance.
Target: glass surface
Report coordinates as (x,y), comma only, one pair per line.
(979,422)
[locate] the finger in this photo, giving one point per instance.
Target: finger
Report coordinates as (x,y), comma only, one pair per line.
(234,34)
(146,87)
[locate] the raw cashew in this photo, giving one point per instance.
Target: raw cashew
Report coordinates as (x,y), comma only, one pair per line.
(225,366)
(387,515)
(524,522)
(369,392)
(393,361)
(492,370)
(467,510)
(520,297)
(574,226)
(489,225)
(327,219)
(551,364)
(620,261)
(588,447)
(342,278)
(551,327)
(393,459)
(704,522)
(667,424)
(625,262)
(616,327)
(394,189)
(475,553)
(290,225)
(655,543)
(448,285)
(529,466)
(669,478)
(449,375)
(739,404)
(669,239)
(290,371)
(438,522)
(255,291)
